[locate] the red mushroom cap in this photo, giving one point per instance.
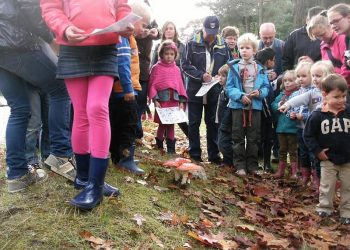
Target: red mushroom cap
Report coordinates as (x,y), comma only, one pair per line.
(189,167)
(174,163)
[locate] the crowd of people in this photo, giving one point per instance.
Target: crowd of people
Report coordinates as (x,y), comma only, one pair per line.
(273,100)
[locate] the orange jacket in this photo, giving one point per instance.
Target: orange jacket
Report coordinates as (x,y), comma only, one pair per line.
(135,68)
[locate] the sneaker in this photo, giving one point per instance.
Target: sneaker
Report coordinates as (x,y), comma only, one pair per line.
(241,172)
(62,166)
(323,214)
(344,221)
(33,176)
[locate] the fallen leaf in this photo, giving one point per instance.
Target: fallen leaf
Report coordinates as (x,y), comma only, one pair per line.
(167,216)
(129,179)
(142,182)
(139,219)
(161,189)
(212,208)
(260,191)
(187,245)
(245,228)
(157,241)
(227,244)
(95,242)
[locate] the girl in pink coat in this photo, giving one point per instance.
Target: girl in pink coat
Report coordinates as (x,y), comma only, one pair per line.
(166,89)
(88,65)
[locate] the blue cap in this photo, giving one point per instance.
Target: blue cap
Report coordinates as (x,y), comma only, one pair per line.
(211,25)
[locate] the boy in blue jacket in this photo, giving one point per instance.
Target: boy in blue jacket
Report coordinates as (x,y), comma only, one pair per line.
(247,86)
(327,134)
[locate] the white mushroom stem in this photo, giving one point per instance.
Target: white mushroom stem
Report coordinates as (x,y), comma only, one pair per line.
(184,178)
(177,175)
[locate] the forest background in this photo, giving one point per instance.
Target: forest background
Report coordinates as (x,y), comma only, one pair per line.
(247,15)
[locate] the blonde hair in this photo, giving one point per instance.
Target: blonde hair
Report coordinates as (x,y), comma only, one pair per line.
(140,8)
(318,21)
(303,64)
(223,71)
(249,38)
(326,66)
(288,72)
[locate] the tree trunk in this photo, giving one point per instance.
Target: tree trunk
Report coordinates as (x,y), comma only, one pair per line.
(301,7)
(261,2)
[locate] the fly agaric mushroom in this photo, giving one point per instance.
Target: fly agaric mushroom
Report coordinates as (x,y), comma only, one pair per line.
(186,169)
(174,163)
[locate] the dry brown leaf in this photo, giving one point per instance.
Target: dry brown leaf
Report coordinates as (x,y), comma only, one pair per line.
(157,241)
(161,189)
(212,208)
(260,190)
(96,242)
(139,219)
(227,245)
(246,228)
(166,216)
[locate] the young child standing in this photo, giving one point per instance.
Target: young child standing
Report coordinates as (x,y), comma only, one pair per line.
(286,127)
(166,89)
(247,85)
(224,119)
(327,132)
(301,114)
(267,58)
(88,65)
(311,99)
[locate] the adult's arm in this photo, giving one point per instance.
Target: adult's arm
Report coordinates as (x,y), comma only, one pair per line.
(188,68)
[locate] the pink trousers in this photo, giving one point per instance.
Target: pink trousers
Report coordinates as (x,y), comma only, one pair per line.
(91,131)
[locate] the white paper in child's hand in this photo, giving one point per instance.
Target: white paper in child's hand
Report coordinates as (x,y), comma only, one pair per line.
(119,26)
(206,86)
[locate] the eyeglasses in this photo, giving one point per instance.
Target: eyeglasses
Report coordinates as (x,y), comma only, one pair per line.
(336,21)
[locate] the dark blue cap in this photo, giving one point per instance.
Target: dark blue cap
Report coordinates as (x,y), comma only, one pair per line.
(211,25)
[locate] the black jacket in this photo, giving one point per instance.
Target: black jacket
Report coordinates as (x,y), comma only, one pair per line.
(21,25)
(299,44)
(194,65)
(325,130)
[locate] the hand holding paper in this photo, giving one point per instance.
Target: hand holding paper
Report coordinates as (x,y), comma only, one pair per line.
(121,26)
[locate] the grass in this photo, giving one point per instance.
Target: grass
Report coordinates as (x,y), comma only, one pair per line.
(41,217)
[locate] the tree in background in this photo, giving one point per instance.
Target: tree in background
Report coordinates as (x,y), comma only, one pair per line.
(247,15)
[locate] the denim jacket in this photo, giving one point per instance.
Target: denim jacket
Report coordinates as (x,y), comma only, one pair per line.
(234,87)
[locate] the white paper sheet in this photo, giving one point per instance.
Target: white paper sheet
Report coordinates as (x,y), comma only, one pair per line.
(117,26)
(206,87)
(172,115)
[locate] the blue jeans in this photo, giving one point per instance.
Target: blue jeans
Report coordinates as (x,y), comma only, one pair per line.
(37,131)
(18,69)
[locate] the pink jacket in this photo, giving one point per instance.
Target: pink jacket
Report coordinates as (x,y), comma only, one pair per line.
(165,76)
(337,47)
(84,14)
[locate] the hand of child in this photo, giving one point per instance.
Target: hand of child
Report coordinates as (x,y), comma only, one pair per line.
(300,117)
(182,106)
(255,93)
(129,97)
(157,104)
(292,115)
(283,108)
(128,31)
(246,100)
(322,155)
(272,75)
(74,34)
(207,77)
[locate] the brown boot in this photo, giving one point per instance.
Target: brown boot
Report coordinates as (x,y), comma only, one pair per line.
(315,181)
(280,170)
(294,170)
(305,175)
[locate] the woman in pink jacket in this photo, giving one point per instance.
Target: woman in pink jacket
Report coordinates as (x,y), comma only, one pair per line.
(332,44)
(88,64)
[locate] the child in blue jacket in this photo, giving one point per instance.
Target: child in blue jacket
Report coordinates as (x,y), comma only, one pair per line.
(247,86)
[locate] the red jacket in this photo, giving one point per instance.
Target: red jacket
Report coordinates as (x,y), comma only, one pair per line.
(337,46)
(84,14)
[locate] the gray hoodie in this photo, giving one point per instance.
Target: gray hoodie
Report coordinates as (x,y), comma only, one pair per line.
(311,99)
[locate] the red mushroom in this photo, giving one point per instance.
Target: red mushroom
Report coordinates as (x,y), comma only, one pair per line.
(187,169)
